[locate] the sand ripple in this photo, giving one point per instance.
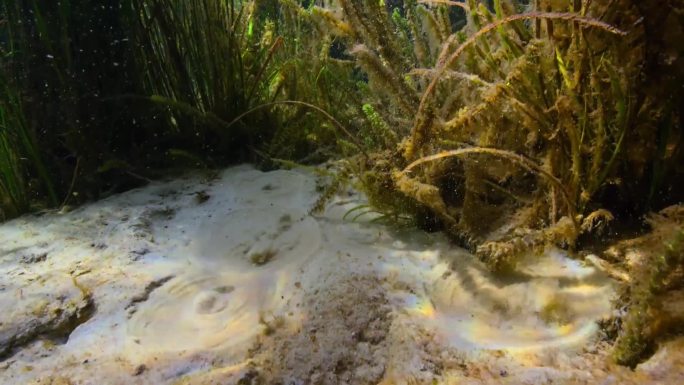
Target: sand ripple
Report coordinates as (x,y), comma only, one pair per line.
(197,312)
(537,309)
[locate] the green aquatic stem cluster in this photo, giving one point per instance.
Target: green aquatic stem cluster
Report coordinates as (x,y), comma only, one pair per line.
(572,139)
(18,149)
(643,324)
(175,73)
(522,130)
(424,117)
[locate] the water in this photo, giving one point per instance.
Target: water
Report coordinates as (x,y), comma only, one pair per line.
(344,191)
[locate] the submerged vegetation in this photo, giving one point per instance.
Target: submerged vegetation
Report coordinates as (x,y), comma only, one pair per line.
(508,125)
(111,95)
(654,291)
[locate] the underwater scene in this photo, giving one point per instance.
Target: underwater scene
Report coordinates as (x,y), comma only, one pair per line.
(341,192)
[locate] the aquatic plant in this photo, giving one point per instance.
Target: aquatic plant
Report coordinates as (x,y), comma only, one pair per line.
(315,69)
(17,154)
(12,186)
(157,88)
(203,63)
(268,53)
(18,150)
(58,71)
(657,272)
(512,133)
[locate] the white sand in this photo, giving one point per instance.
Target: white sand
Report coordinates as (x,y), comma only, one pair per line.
(247,285)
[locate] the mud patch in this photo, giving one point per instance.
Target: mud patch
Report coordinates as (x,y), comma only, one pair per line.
(343,338)
(195,313)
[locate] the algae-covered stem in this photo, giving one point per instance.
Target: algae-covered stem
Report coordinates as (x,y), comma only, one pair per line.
(424,116)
